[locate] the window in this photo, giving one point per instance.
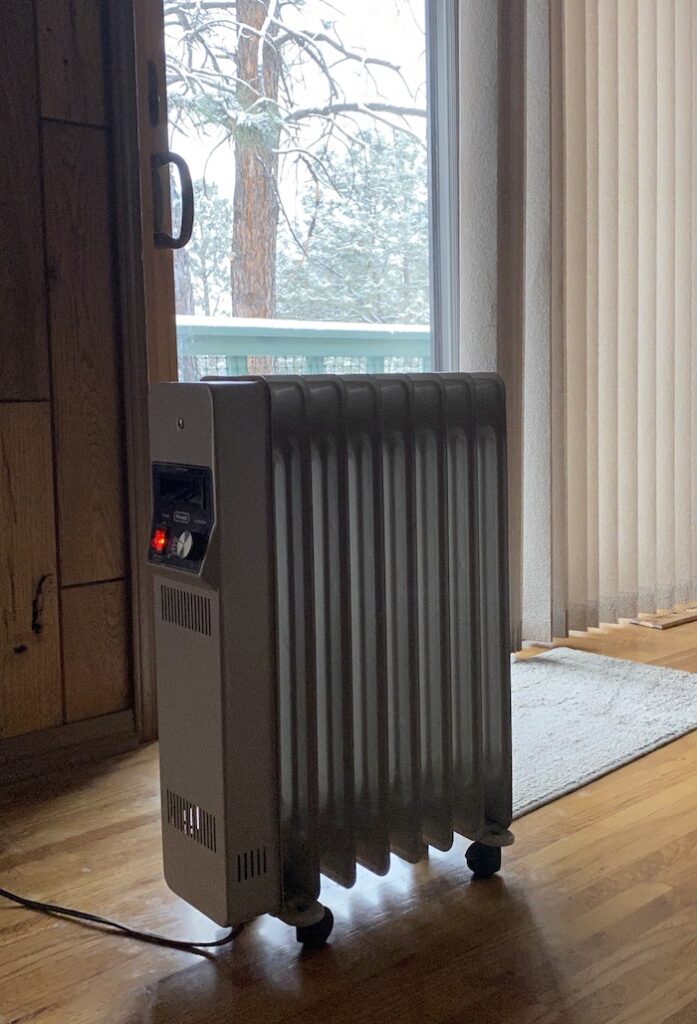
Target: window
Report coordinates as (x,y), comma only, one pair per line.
(305,128)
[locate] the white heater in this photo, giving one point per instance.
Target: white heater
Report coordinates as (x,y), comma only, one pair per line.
(330,586)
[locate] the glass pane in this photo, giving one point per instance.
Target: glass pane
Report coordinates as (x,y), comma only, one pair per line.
(304,126)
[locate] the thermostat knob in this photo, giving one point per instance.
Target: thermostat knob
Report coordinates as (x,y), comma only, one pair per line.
(185,542)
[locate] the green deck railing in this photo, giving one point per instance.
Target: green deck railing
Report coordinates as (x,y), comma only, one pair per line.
(225,346)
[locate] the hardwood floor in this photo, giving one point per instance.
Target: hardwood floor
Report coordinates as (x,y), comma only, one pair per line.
(593,921)
(675,647)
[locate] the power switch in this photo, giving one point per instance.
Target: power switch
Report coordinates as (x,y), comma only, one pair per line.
(185,544)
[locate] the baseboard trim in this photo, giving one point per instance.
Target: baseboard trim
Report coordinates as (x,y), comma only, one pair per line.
(38,753)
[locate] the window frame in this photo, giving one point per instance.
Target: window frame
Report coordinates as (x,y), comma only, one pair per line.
(442,110)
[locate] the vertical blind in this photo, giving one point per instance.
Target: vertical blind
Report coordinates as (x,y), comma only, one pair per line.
(629,420)
(578,263)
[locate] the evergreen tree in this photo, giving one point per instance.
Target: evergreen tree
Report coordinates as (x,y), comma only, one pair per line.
(202,270)
(359,252)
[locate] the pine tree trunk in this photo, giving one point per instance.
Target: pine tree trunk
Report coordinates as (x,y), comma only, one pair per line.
(255,206)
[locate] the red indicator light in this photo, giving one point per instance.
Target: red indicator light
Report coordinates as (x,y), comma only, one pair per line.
(159,541)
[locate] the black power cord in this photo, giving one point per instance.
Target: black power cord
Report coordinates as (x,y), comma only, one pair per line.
(81,915)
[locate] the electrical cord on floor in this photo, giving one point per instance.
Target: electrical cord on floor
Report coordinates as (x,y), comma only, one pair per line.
(104,922)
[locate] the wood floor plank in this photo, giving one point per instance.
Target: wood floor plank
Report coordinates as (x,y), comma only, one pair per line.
(591,922)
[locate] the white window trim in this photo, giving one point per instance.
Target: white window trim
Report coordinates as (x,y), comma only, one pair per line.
(444,272)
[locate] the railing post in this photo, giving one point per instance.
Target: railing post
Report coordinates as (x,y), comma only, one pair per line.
(236,366)
(376,364)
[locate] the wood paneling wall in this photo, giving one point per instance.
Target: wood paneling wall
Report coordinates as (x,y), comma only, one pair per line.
(71,57)
(95,621)
(30,672)
(62,456)
(84,358)
(24,350)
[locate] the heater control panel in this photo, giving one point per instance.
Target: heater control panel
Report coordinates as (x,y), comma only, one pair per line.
(182,515)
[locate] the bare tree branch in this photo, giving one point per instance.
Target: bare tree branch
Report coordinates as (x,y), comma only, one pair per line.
(316,55)
(204,5)
(269,20)
(301,113)
(322,37)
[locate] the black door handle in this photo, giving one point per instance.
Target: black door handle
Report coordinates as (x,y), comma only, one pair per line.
(163,240)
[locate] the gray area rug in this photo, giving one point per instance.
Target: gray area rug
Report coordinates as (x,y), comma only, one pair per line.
(578,716)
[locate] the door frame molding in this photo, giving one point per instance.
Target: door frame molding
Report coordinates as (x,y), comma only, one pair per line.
(146,303)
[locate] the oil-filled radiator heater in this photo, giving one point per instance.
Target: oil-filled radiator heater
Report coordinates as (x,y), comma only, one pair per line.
(331,613)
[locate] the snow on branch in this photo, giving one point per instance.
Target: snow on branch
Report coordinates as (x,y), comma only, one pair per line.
(302,113)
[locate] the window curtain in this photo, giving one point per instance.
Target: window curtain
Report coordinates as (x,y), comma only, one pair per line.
(630,243)
(578,263)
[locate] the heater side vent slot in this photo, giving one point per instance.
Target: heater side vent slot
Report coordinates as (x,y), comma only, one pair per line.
(182,608)
(191,820)
(251,864)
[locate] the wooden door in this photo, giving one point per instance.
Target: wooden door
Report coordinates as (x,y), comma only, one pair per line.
(153,133)
(147,295)
(65,636)
(88,323)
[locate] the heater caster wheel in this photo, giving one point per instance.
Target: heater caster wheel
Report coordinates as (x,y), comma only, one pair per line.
(483,861)
(313,936)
